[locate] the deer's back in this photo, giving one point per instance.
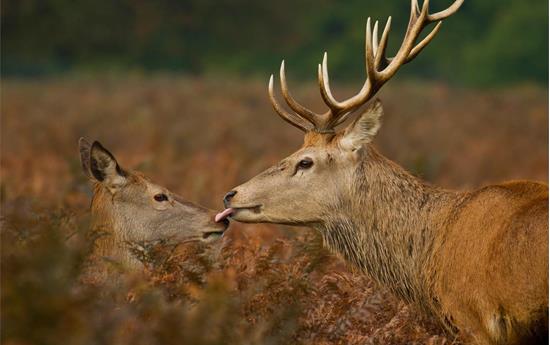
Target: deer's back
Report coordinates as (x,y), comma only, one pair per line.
(493,261)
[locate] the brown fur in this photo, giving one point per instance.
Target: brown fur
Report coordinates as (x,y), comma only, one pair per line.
(475,258)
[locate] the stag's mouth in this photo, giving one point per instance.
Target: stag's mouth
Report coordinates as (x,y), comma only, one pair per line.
(234,210)
(222,216)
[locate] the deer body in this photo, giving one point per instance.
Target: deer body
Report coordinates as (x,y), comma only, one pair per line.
(479,267)
(476,260)
(492,266)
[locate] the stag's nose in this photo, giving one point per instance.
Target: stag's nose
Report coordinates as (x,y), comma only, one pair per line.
(227,198)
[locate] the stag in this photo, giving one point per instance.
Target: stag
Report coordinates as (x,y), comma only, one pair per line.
(477,260)
(130,209)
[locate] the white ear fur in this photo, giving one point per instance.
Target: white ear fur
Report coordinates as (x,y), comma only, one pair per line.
(364,128)
(104,167)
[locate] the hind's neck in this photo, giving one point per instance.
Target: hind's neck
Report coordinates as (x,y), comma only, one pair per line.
(110,244)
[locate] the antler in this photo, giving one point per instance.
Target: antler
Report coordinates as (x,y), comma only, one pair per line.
(379,70)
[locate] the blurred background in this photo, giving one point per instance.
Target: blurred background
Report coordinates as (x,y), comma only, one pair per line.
(488,43)
(178,90)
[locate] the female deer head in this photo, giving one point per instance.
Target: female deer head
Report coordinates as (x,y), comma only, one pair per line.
(130,208)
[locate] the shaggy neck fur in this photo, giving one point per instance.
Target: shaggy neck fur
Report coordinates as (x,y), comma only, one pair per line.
(395,236)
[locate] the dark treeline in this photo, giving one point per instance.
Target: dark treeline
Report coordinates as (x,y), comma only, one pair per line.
(488,42)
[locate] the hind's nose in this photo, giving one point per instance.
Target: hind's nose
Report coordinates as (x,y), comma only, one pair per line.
(227,198)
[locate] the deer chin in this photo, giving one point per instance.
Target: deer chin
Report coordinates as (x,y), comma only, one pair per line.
(214,234)
(246,214)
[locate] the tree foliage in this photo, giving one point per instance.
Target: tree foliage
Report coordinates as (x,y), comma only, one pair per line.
(487,42)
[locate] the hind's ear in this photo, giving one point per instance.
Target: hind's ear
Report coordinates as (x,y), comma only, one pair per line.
(84,147)
(104,168)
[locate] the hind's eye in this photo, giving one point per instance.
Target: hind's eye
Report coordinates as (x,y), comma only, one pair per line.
(305,163)
(161,197)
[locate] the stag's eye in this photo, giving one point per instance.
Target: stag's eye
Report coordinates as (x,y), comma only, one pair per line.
(160,197)
(305,163)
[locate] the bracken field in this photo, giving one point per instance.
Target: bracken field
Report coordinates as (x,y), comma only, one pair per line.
(199,137)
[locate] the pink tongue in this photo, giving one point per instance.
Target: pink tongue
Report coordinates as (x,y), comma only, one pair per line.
(223,214)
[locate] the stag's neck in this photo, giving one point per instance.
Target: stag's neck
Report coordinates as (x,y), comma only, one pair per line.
(389,225)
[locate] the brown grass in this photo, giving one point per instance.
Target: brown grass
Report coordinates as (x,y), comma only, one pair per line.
(200,137)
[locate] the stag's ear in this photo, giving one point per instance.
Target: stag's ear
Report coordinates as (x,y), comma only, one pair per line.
(364,128)
(104,167)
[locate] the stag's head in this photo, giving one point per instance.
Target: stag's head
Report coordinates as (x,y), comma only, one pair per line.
(135,209)
(303,187)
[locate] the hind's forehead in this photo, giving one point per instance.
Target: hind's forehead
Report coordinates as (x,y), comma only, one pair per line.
(138,177)
(138,181)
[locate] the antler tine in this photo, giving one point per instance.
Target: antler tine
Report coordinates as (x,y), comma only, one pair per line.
(324,85)
(293,119)
(375,38)
(446,13)
(414,13)
(339,109)
(369,88)
(418,48)
(374,50)
(418,21)
(369,54)
(380,54)
(297,107)
(430,18)
(366,91)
